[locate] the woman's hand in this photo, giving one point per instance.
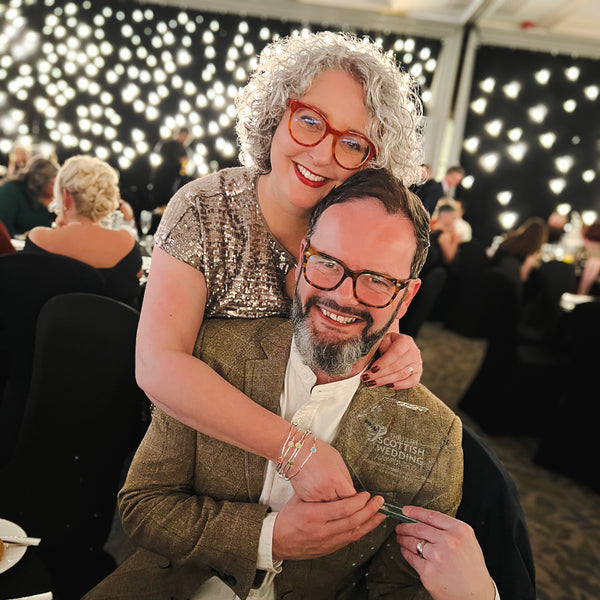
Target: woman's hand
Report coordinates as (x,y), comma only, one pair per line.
(325,476)
(445,553)
(400,367)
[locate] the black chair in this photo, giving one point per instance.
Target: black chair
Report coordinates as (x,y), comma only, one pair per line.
(572,418)
(515,385)
(460,304)
(27,281)
(422,304)
(491,506)
(542,312)
(83,419)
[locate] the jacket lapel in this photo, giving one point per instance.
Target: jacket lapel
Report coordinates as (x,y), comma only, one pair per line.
(264,379)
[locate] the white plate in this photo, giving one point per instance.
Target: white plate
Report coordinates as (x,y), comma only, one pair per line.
(12,553)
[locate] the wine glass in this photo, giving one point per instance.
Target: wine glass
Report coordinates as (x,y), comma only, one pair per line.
(145,225)
(145,221)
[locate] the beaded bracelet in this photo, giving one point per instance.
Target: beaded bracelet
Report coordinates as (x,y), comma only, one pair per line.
(290,449)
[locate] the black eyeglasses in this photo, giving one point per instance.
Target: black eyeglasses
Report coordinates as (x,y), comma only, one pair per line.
(372,289)
(307,126)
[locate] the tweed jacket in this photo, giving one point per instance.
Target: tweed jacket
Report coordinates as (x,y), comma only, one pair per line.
(190,502)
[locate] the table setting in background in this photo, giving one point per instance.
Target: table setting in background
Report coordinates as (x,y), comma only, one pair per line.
(23,575)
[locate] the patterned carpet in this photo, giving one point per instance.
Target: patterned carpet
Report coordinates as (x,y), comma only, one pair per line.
(563,516)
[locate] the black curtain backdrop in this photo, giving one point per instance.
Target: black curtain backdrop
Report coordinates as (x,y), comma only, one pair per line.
(577,136)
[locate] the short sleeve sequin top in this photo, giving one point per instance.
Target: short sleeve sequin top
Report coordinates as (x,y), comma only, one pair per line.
(215,225)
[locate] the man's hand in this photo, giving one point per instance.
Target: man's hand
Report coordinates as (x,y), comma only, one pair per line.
(451,565)
(305,530)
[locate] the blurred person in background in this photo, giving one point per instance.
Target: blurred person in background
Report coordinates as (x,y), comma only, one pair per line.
(170,174)
(590,274)
(461,227)
(556,227)
(524,245)
(24,198)
(431,191)
(86,191)
(17,160)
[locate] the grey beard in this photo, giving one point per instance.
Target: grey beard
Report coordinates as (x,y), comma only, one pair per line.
(333,358)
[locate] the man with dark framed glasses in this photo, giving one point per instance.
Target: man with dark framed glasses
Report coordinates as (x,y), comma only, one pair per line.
(247,535)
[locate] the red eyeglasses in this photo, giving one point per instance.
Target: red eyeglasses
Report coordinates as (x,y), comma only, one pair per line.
(308,127)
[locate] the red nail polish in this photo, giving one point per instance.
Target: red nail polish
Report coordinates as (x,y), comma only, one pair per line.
(374,369)
(370,383)
(365,377)
(390,385)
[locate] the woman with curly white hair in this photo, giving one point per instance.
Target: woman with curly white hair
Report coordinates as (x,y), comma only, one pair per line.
(86,191)
(317,108)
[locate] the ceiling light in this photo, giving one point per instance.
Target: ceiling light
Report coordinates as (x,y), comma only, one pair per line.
(512,89)
(504,197)
(515,134)
(479,105)
(538,113)
(588,176)
(508,219)
(572,73)
(564,163)
(542,76)
(591,92)
(517,151)
(547,139)
(471,144)
(489,161)
(488,84)
(467,182)
(494,127)
(557,185)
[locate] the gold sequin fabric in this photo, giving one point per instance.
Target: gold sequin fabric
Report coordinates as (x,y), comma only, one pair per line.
(215,225)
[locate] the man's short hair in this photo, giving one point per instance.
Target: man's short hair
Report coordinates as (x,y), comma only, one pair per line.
(455,169)
(395,197)
(446,208)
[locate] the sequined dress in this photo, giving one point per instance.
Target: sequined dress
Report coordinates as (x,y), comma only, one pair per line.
(215,225)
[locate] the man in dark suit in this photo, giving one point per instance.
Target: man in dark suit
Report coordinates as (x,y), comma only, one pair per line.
(431,191)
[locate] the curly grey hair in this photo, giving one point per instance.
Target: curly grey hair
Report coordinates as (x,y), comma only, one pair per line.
(287,68)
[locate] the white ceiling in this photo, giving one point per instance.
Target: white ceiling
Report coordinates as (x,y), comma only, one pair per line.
(573,18)
(563,26)
(558,17)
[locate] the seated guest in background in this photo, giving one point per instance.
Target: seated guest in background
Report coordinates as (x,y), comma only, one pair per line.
(431,191)
(461,227)
(590,274)
(17,160)
(85,192)
(24,198)
(444,239)
(227,523)
(556,227)
(524,245)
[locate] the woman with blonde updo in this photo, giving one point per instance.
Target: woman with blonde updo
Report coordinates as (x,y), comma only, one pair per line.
(85,192)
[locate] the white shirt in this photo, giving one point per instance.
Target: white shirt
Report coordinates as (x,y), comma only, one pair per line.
(319,408)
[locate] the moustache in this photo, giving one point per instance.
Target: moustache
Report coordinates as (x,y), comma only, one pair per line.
(333,305)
